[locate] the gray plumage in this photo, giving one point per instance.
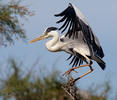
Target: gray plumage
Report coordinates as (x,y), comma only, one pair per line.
(78,39)
(79,35)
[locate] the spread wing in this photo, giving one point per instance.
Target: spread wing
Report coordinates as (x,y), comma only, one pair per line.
(73,22)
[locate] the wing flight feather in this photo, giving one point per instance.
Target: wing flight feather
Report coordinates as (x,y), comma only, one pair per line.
(73,22)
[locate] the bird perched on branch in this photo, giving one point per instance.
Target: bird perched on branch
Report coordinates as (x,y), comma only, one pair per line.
(78,40)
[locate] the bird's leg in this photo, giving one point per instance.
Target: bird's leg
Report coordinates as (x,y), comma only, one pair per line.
(71,81)
(72,69)
(91,69)
(69,75)
(74,80)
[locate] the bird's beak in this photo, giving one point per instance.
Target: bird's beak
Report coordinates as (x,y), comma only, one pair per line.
(39,38)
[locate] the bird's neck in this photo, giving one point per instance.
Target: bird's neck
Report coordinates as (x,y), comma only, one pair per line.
(51,45)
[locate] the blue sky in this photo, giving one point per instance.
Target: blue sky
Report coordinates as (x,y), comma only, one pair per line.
(101,16)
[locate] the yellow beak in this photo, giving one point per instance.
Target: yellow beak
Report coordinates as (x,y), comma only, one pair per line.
(37,39)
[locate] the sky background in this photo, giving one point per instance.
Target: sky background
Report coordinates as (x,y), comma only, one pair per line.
(101,16)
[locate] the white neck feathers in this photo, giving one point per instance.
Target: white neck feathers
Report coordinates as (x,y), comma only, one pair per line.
(51,45)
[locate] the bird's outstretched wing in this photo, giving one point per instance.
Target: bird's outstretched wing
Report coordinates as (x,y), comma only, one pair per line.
(74,22)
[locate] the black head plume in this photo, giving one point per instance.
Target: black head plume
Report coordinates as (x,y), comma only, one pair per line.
(51,29)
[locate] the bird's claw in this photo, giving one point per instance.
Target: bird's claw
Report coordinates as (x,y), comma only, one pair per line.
(71,82)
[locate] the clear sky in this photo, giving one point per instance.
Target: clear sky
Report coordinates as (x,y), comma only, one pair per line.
(101,16)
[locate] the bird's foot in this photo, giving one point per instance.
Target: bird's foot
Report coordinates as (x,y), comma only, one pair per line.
(71,82)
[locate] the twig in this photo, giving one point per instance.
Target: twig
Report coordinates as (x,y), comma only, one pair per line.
(71,91)
(76,93)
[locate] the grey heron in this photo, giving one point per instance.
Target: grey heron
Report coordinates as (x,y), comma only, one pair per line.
(78,40)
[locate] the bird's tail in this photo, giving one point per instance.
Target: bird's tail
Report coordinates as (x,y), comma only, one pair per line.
(100,62)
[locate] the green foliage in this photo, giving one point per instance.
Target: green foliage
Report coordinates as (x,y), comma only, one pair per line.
(24,89)
(10,27)
(27,87)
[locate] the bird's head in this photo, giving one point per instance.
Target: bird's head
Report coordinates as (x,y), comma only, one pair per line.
(47,33)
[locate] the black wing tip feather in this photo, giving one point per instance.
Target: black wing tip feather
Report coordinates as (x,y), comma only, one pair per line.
(101,52)
(102,65)
(68,18)
(70,4)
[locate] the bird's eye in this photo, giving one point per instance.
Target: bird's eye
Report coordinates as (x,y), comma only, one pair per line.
(61,39)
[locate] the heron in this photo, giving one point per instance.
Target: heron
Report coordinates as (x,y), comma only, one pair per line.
(77,39)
